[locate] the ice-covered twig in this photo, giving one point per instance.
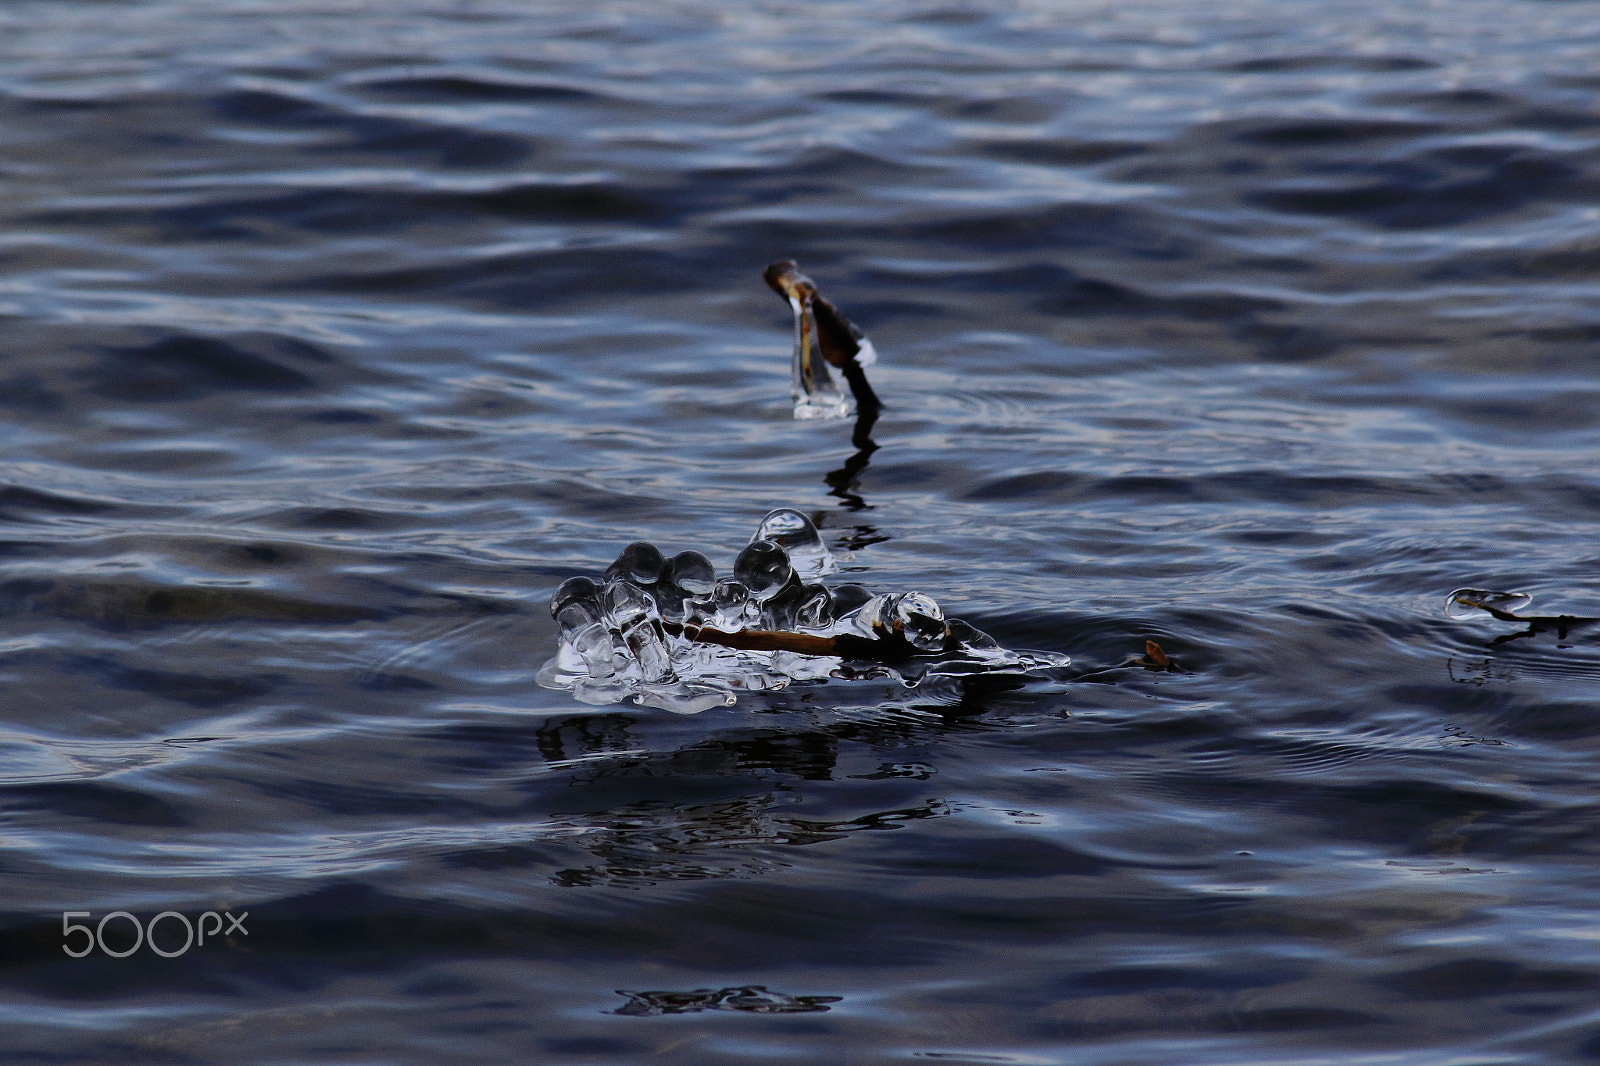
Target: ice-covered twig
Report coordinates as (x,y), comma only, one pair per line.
(821,329)
(668,633)
(1504,606)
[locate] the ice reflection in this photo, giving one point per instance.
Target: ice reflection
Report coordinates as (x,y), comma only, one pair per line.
(750,999)
(668,634)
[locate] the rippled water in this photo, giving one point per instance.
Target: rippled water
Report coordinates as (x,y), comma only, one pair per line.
(338,335)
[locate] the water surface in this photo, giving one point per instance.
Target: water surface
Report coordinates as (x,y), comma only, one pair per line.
(339,335)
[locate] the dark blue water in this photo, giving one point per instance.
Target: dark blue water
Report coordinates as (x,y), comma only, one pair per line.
(337,335)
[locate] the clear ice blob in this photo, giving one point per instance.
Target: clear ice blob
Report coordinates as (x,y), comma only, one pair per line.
(573,588)
(577,614)
(699,610)
(575,604)
(600,692)
(649,651)
(639,562)
(671,604)
(730,604)
(815,610)
(594,648)
(795,534)
(763,568)
(582,655)
(866,620)
(847,598)
(686,579)
(691,572)
(816,394)
(911,615)
(1472,603)
(920,621)
(974,642)
(779,611)
(626,604)
(687,697)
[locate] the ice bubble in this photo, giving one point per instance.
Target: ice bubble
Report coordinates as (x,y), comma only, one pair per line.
(573,588)
(763,568)
(795,534)
(639,562)
(815,610)
(691,572)
(921,621)
(730,602)
(847,598)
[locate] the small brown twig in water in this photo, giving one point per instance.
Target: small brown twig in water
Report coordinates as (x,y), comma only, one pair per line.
(1155,658)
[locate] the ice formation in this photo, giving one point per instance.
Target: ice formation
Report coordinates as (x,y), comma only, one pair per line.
(669,633)
(823,336)
(1475,603)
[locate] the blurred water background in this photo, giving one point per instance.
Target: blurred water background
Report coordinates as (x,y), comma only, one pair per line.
(338,334)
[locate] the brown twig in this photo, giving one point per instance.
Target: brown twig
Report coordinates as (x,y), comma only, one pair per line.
(842,645)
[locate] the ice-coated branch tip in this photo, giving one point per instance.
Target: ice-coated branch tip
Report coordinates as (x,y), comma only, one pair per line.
(821,329)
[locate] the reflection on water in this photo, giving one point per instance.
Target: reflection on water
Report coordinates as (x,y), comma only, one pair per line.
(340,337)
